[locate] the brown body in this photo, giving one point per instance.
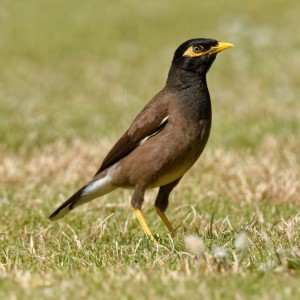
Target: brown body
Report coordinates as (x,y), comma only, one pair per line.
(154,164)
(164,140)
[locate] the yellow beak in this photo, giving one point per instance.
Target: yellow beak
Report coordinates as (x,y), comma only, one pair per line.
(220,47)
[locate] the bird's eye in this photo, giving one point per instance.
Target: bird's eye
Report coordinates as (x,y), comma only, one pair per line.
(197,49)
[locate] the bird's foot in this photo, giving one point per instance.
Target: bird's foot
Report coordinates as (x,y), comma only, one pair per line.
(166,221)
(145,227)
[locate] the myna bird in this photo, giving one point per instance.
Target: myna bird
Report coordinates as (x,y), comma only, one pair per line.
(165,139)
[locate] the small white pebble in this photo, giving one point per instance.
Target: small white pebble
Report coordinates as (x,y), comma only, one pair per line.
(194,245)
(242,241)
(220,252)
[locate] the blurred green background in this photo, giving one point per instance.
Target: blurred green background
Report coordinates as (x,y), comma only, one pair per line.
(82,70)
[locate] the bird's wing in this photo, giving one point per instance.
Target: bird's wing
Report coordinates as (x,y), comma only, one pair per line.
(149,122)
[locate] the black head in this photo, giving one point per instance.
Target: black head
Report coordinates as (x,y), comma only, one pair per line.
(197,55)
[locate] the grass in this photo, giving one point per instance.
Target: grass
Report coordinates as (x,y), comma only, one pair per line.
(73,76)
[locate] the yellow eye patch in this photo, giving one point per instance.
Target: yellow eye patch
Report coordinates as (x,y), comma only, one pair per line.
(195,51)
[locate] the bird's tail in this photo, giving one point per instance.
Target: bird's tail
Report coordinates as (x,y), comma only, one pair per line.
(95,188)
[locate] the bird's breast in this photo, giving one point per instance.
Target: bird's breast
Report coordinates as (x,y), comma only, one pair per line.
(182,151)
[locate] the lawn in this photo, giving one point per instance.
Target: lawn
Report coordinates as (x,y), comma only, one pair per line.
(73,76)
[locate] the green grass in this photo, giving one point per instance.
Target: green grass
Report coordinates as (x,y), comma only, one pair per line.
(73,76)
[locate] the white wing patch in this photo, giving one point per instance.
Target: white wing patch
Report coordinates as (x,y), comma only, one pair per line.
(159,128)
(164,121)
(99,187)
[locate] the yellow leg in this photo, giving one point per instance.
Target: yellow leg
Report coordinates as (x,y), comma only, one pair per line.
(143,223)
(165,220)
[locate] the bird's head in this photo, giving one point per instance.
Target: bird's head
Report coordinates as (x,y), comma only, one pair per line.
(197,55)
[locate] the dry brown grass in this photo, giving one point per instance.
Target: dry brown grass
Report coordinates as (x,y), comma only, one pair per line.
(271,173)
